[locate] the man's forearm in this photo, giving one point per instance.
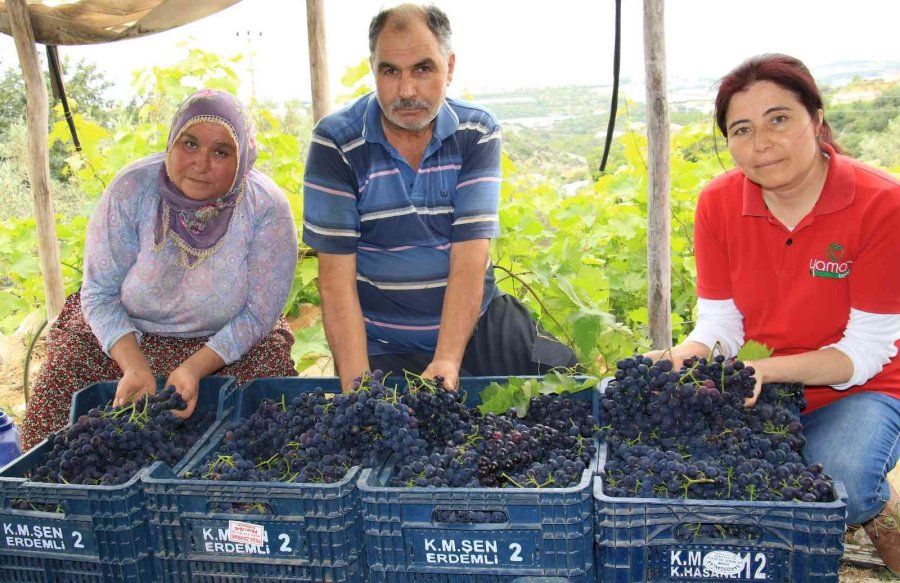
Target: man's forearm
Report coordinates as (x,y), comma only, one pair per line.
(342,316)
(346,334)
(462,301)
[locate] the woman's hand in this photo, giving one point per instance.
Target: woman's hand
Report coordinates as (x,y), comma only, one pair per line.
(677,354)
(187,383)
(137,378)
(186,378)
(136,382)
(758,374)
(656,355)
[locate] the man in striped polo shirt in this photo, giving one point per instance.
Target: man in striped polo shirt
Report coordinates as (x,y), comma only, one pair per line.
(400,200)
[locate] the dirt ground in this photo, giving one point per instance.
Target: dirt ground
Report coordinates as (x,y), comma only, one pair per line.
(13,348)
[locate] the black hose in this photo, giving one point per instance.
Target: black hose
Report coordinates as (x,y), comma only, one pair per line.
(59,91)
(614,105)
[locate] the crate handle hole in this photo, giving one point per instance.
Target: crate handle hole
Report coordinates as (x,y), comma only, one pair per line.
(691,531)
(469,517)
(241,507)
(36,506)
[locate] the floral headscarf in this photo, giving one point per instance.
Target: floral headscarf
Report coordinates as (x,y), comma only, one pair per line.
(198,226)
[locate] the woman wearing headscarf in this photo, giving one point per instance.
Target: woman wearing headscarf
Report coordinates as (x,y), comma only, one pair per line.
(188,262)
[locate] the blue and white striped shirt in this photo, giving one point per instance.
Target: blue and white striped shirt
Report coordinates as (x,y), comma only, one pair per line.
(361,196)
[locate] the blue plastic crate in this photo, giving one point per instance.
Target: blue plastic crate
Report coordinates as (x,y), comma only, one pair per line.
(101,532)
(548,534)
(312,531)
(651,539)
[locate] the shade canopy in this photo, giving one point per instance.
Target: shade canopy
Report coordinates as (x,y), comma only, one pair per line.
(80,22)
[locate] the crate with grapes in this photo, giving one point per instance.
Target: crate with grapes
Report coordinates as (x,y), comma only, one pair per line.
(73,506)
(494,486)
(272,492)
(696,486)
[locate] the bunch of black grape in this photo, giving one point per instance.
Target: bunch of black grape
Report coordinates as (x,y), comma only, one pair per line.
(686,434)
(434,438)
(316,437)
(109,445)
(550,447)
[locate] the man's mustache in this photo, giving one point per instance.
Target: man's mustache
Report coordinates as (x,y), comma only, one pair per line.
(408,104)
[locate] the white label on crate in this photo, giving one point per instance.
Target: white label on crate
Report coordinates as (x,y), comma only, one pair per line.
(32,536)
(504,548)
(219,540)
(461,552)
(246,533)
(724,563)
(717,564)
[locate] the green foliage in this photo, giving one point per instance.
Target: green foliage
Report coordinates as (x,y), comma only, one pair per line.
(884,148)
(309,346)
(21,285)
(579,261)
(355,79)
(753,350)
(860,112)
(517,392)
(84,88)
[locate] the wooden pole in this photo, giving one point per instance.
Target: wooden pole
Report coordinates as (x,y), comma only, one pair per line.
(38,156)
(318,58)
(659,213)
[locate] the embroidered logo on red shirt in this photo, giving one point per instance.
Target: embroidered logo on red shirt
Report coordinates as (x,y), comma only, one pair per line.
(832,267)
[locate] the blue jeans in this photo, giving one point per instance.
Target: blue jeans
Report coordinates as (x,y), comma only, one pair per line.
(857,439)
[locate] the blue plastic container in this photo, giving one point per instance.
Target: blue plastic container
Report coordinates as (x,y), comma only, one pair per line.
(10,440)
(98,533)
(649,539)
(548,534)
(312,532)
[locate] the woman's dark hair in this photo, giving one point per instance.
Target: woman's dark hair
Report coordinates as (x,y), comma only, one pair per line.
(783,70)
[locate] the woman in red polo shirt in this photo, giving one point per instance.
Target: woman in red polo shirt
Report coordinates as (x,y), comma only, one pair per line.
(795,248)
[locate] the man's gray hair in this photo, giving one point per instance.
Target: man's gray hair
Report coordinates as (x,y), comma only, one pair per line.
(434,18)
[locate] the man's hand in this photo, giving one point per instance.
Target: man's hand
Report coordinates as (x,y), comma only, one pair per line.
(187,383)
(446,369)
(135,383)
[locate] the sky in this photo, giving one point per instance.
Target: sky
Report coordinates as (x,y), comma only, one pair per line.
(504,44)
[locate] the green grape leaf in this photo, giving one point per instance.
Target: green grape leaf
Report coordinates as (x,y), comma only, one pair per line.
(497,398)
(517,392)
(753,350)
